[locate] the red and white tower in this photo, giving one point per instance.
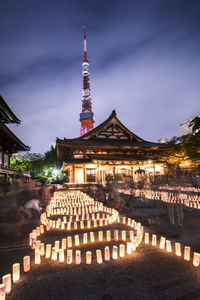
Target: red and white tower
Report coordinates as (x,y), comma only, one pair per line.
(86,115)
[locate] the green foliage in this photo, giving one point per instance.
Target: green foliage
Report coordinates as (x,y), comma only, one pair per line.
(41,167)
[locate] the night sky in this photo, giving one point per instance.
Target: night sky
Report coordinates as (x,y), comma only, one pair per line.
(144,62)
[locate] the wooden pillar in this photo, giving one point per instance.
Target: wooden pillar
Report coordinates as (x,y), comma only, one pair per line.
(113,170)
(84,174)
(73,174)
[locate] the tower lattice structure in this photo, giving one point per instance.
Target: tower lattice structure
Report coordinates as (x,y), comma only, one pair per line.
(86,115)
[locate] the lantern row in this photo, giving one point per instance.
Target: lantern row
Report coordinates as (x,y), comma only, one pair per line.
(165,244)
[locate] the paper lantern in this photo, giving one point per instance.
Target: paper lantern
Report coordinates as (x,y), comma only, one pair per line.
(26,263)
(68,225)
(37,257)
(69,241)
(115,252)
(41,229)
(75,225)
(131,235)
(77,218)
(100,233)
(100,222)
(129,248)
(69,256)
(57,245)
(30,239)
(88,257)
(178,249)
(6,279)
(107,253)
(64,244)
(108,235)
(37,245)
(76,240)
(82,225)
(99,256)
(85,238)
(196,259)
(62,225)
(187,253)
(121,250)
(129,222)
(38,231)
(116,237)
(123,234)
(16,272)
(92,239)
(61,255)
(2,291)
(78,257)
(154,240)
(133,245)
(124,220)
(48,250)
(42,249)
(146,238)
(54,253)
(168,246)
(88,224)
(162,242)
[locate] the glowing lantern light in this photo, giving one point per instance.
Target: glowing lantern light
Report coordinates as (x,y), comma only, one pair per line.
(37,257)
(154,240)
(99,256)
(57,245)
(37,245)
(133,245)
(123,235)
(196,259)
(62,225)
(48,250)
(108,235)
(26,263)
(41,229)
(168,246)
(121,250)
(85,238)
(61,256)
(75,225)
(116,237)
(69,241)
(162,242)
(88,224)
(68,225)
(92,237)
(115,252)
(129,248)
(2,291)
(100,233)
(82,225)
(6,279)
(101,222)
(124,220)
(146,238)
(78,257)
(42,250)
(187,253)
(69,256)
(64,244)
(131,235)
(88,257)
(54,253)
(76,240)
(16,272)
(178,249)
(107,253)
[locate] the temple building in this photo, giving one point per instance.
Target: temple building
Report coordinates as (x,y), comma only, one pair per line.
(109,149)
(9,142)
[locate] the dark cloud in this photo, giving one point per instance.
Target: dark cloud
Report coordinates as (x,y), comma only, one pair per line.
(144,61)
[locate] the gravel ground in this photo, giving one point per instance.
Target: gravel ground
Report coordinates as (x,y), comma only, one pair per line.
(147,274)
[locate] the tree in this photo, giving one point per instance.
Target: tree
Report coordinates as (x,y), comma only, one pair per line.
(42,167)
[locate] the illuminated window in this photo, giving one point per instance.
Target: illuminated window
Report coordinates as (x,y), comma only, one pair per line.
(91,175)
